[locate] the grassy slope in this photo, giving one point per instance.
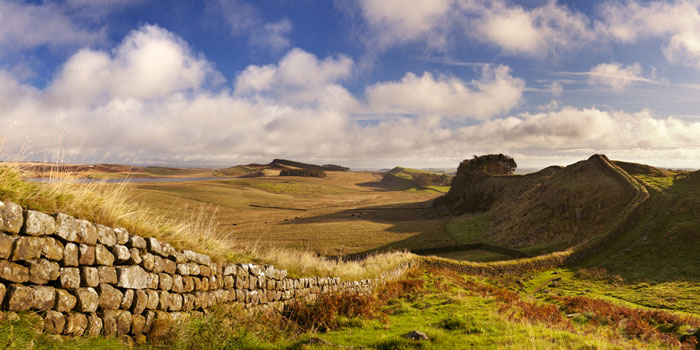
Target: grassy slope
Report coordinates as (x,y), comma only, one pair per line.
(403,179)
(334,215)
(550,210)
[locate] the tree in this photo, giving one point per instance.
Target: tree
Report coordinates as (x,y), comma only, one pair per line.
(494,164)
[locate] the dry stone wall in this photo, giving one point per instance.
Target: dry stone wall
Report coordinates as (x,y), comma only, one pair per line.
(89,279)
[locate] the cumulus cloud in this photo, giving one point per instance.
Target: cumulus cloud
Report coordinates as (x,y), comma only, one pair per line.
(30,25)
(392,21)
(171,115)
(676,22)
(616,76)
(496,92)
(245,19)
(539,31)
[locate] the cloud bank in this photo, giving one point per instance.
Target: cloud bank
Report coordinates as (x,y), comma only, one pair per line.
(153,100)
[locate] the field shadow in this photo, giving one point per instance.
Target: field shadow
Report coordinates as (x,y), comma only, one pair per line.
(418,221)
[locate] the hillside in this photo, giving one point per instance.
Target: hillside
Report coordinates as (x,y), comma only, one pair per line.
(274,167)
(401,178)
(549,210)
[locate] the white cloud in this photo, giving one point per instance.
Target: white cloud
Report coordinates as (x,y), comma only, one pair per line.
(496,92)
(245,19)
(539,31)
(28,25)
(149,63)
(676,22)
(393,21)
(273,35)
(173,116)
(615,75)
(516,30)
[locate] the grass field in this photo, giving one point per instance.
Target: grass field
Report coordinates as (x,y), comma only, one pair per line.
(343,213)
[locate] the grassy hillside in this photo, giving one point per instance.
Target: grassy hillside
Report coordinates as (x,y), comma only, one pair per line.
(401,179)
(553,209)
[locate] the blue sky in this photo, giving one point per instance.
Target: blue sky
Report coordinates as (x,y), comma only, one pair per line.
(366,83)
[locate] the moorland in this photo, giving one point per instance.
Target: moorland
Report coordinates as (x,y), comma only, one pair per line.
(626,236)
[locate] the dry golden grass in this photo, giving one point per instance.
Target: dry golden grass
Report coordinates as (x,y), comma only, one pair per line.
(194,227)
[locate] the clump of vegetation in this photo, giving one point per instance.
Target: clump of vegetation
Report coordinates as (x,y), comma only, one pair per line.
(303,172)
(401,178)
(493,164)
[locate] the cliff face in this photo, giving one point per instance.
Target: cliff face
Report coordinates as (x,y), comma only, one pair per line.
(554,208)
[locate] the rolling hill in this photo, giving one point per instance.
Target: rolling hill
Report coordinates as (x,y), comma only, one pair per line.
(401,178)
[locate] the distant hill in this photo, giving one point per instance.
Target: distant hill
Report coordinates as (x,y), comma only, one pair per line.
(401,178)
(548,210)
(276,165)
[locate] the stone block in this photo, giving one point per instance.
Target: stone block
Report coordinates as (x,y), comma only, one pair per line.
(123,323)
(52,249)
(148,261)
(65,301)
(204,270)
(182,269)
(20,298)
(76,323)
(127,299)
(169,266)
(110,297)
(121,253)
(11,218)
(6,244)
(69,277)
(3,291)
(38,224)
(109,323)
(166,281)
(197,283)
(158,264)
(188,302)
(188,284)
(138,322)
(66,228)
(194,269)
(27,248)
(89,276)
(153,299)
(150,315)
(12,272)
(229,270)
(122,235)
(106,235)
(178,284)
(54,322)
(175,302)
(154,246)
(229,282)
(140,301)
(137,242)
(44,297)
(133,277)
(102,256)
(94,325)
(163,300)
(70,254)
(107,274)
(86,254)
(88,299)
(134,256)
(153,281)
(87,233)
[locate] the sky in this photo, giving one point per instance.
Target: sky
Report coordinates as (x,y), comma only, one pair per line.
(364,83)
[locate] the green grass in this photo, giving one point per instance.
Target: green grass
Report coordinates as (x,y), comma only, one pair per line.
(470,228)
(475,255)
(23,333)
